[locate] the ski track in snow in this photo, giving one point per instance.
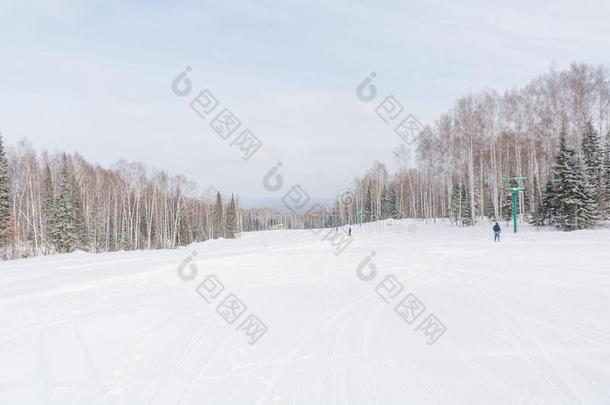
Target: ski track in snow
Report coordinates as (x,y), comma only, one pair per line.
(527,322)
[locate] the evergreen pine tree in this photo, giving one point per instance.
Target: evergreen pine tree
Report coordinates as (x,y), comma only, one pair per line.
(456,203)
(549,209)
(5,199)
(232,227)
(590,214)
(80,226)
(48,203)
(368,206)
(593,160)
(467,219)
(606,190)
(143,230)
(64,234)
(576,207)
(394,210)
(218,224)
(386,204)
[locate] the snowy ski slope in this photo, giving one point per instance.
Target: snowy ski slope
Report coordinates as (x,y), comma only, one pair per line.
(527,321)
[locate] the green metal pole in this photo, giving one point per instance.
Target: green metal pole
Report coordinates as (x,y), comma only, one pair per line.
(514,211)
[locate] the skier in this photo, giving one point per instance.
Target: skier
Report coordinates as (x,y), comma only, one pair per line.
(349,232)
(497,231)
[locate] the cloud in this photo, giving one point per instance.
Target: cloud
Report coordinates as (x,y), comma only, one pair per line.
(95,77)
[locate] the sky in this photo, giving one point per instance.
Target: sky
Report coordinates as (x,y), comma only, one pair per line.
(95,77)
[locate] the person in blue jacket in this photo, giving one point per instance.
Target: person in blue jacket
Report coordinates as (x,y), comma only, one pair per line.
(497,231)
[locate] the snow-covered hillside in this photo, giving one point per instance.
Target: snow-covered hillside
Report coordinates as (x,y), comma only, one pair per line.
(524,321)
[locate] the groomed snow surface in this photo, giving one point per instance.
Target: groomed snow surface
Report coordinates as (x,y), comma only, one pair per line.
(527,321)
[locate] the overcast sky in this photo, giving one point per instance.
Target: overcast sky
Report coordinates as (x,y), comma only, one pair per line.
(94,77)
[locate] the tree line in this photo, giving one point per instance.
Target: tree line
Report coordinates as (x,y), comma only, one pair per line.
(62,203)
(553,131)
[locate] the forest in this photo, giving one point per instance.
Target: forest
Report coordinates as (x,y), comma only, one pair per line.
(62,203)
(554,132)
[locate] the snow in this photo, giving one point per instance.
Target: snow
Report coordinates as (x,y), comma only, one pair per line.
(526,321)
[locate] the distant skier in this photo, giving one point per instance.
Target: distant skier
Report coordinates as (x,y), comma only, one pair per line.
(497,231)
(349,232)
